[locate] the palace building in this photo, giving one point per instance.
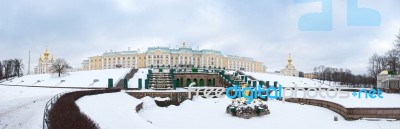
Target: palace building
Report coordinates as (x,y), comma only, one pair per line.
(173,57)
(44,63)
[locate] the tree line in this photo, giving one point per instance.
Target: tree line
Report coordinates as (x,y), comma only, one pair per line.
(11,68)
(341,76)
(389,61)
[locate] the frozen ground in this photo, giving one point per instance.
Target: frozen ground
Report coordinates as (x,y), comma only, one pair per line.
(287,81)
(116,110)
(74,79)
(22,107)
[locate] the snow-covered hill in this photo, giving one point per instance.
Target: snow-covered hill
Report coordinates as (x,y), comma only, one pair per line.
(287,81)
(73,79)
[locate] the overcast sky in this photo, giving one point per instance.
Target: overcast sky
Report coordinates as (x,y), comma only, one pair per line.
(265,30)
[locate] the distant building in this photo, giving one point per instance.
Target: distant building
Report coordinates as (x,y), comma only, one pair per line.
(310,75)
(289,69)
(85,65)
(388,83)
(165,56)
(44,63)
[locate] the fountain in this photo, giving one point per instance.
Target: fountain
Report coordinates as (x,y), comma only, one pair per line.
(240,108)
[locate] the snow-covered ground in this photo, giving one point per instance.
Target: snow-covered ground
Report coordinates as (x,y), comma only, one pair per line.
(287,81)
(142,73)
(210,113)
(113,111)
(74,79)
(116,110)
(388,100)
(22,107)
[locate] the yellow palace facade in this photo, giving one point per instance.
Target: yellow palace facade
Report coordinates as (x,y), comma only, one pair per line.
(165,56)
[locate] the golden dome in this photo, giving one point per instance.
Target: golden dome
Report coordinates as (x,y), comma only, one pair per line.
(46,54)
(290,59)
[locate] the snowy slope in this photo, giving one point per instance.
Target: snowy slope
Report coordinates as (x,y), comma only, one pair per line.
(142,73)
(22,107)
(210,113)
(74,79)
(286,81)
(113,111)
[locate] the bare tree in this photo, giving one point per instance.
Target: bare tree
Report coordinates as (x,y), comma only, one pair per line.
(8,68)
(60,66)
(1,71)
(392,58)
(373,67)
(18,67)
(397,41)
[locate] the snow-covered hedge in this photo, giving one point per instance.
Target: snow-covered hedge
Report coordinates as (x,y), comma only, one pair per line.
(65,114)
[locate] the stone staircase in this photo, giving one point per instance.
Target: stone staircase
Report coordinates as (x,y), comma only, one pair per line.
(120,84)
(161,81)
(239,78)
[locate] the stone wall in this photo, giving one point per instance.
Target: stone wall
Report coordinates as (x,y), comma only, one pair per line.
(176,97)
(351,113)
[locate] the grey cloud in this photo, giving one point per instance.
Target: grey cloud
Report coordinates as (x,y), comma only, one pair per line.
(264,30)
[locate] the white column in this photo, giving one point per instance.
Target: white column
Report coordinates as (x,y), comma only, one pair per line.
(169,59)
(90,64)
(152,59)
(179,59)
(202,61)
(102,63)
(136,62)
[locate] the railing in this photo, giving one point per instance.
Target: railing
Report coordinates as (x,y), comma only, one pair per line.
(48,106)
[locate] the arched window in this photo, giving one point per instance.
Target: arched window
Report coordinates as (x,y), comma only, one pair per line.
(188,81)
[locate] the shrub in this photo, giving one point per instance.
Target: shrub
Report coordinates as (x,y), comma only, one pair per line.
(65,114)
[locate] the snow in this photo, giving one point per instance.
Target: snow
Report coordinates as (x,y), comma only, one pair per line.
(116,110)
(113,111)
(22,107)
(74,79)
(141,73)
(287,81)
(162,99)
(210,113)
(388,100)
